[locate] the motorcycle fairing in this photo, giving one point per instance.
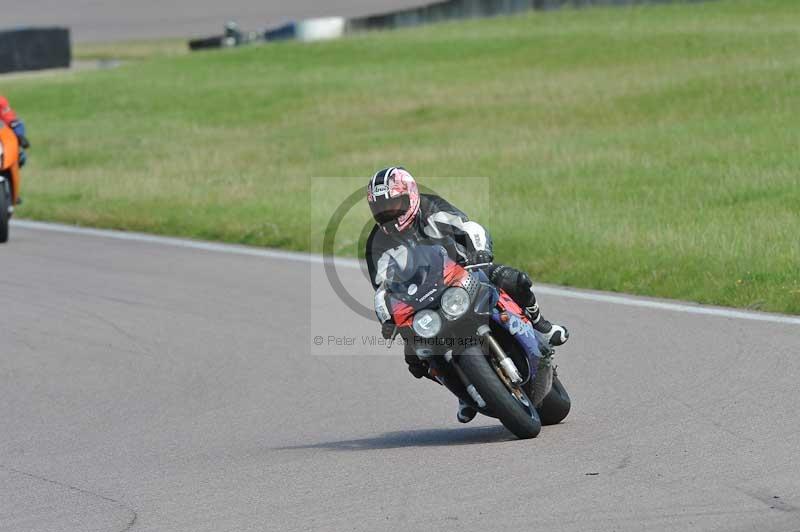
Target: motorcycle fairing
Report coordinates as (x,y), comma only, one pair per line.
(427,274)
(402,312)
(454,273)
(508,315)
(9,159)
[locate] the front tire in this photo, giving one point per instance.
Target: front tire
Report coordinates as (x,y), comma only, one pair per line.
(4,203)
(499,400)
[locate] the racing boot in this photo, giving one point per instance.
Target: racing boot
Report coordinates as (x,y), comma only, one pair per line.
(555,334)
(466,413)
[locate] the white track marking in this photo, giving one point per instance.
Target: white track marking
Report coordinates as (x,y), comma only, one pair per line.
(308,258)
(688,308)
(201,245)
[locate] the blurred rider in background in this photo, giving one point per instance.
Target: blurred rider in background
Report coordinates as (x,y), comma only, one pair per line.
(10,118)
(401,215)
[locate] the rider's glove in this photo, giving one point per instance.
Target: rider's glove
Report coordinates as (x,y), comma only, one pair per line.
(481,257)
(23,142)
(387,330)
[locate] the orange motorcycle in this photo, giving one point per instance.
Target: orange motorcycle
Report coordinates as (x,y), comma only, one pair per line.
(9,177)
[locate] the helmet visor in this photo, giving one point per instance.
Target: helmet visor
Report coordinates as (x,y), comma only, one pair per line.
(388,210)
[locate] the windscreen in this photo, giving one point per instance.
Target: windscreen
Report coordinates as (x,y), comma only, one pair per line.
(422,270)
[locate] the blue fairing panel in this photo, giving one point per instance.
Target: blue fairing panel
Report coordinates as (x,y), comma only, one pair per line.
(523,333)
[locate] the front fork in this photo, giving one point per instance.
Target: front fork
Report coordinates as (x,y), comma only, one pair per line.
(505,368)
(471,390)
(505,364)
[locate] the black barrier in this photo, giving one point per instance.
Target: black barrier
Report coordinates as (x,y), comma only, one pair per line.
(280,33)
(441,11)
(437,11)
(34,49)
(206,43)
(460,9)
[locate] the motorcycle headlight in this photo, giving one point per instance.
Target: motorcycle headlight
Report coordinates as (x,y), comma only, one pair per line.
(455,302)
(427,323)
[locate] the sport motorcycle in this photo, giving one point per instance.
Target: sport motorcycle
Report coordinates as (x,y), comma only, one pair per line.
(9,177)
(475,339)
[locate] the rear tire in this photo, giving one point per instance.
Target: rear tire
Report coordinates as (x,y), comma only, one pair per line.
(555,405)
(4,203)
(499,400)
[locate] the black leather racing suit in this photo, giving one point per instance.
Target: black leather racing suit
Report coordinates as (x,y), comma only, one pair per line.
(467,242)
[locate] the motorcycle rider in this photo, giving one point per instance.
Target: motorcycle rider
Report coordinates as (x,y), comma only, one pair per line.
(10,118)
(404,215)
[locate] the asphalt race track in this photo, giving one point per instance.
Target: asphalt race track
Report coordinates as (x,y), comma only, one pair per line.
(151,387)
(113,20)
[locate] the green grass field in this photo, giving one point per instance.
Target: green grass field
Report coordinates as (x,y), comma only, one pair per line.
(651,150)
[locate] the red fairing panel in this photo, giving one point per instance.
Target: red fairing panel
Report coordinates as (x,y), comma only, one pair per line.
(402,313)
(506,304)
(454,274)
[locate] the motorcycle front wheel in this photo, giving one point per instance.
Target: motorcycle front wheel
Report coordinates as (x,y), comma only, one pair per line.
(499,400)
(5,201)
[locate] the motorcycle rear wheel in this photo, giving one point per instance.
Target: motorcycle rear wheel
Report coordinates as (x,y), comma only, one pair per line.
(499,400)
(555,405)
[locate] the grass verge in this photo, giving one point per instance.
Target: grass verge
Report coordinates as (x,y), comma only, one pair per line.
(650,150)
